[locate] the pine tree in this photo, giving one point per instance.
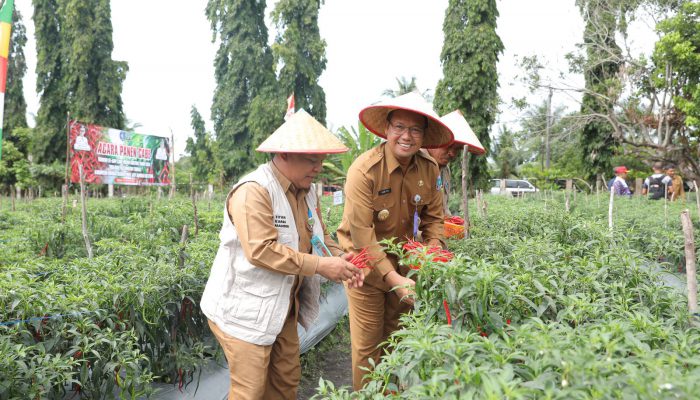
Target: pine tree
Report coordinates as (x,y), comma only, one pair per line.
(75,70)
(601,67)
(92,80)
(15,104)
(302,54)
(200,149)
(470,79)
(53,106)
(245,82)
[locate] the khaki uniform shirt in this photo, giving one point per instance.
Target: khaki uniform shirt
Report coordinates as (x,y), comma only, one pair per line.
(250,209)
(676,190)
(376,183)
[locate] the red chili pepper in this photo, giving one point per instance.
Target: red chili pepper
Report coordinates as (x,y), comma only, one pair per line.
(447,312)
(362,259)
(455,220)
(507,322)
(180,381)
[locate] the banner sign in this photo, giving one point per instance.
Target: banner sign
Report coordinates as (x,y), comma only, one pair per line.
(111,156)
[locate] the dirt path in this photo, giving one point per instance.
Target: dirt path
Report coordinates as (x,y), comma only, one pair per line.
(329,360)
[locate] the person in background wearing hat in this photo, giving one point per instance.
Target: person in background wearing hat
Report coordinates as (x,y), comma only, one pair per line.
(619,185)
(676,191)
(390,193)
(463,136)
(264,277)
(656,185)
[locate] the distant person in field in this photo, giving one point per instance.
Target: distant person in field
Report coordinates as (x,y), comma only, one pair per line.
(464,136)
(265,276)
(676,191)
(81,142)
(390,193)
(656,186)
(619,185)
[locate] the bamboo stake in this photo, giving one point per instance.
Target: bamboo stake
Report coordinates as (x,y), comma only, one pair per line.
(183,243)
(194,205)
(610,209)
(173,184)
(65,177)
(666,206)
(465,192)
(691,278)
(83,211)
(697,197)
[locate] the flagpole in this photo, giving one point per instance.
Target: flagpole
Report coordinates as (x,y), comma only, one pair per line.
(5,33)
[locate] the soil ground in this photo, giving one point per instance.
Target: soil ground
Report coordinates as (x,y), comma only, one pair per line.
(330,360)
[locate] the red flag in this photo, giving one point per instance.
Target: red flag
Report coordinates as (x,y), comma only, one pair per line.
(290,106)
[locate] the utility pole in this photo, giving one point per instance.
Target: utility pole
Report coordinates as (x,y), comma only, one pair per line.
(548,128)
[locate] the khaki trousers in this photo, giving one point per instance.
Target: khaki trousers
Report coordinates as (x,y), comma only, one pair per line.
(374,315)
(263,372)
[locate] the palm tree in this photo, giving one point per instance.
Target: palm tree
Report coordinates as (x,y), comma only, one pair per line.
(406,86)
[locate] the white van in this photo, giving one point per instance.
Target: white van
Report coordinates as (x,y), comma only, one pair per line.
(515,187)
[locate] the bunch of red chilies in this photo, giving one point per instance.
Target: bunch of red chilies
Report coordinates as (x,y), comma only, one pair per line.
(436,253)
(455,220)
(362,259)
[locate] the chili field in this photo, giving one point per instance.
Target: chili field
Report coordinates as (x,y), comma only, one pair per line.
(543,303)
(546,304)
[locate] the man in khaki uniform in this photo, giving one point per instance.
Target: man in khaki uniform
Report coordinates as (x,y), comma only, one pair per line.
(464,136)
(264,276)
(390,193)
(676,191)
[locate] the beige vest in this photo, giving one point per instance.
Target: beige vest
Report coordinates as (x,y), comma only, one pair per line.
(248,302)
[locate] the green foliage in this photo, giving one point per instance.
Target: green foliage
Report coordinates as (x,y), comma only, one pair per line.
(206,166)
(405,86)
(505,154)
(470,84)
(600,70)
(15,105)
(547,304)
(358,141)
(75,71)
(117,322)
(680,47)
(243,68)
(301,53)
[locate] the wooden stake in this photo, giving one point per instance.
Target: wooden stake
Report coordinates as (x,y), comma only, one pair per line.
(194,205)
(183,243)
(12,197)
(697,197)
(465,192)
(83,211)
(173,185)
(610,209)
(691,278)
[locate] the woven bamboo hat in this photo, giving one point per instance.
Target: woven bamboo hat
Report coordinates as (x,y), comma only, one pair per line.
(463,132)
(301,133)
(374,118)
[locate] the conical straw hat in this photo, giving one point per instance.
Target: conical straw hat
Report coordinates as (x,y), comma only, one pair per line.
(374,118)
(463,132)
(301,133)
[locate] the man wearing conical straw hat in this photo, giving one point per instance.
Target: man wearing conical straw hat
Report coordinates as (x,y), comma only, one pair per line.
(273,248)
(464,136)
(390,193)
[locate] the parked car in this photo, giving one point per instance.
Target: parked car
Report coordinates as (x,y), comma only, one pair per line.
(515,187)
(330,189)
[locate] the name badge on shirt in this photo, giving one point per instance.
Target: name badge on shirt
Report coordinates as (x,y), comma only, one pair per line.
(384,191)
(319,247)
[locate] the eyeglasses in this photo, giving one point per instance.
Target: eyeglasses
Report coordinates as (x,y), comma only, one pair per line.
(400,129)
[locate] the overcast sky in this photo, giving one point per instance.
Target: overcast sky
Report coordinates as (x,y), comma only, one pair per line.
(369,44)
